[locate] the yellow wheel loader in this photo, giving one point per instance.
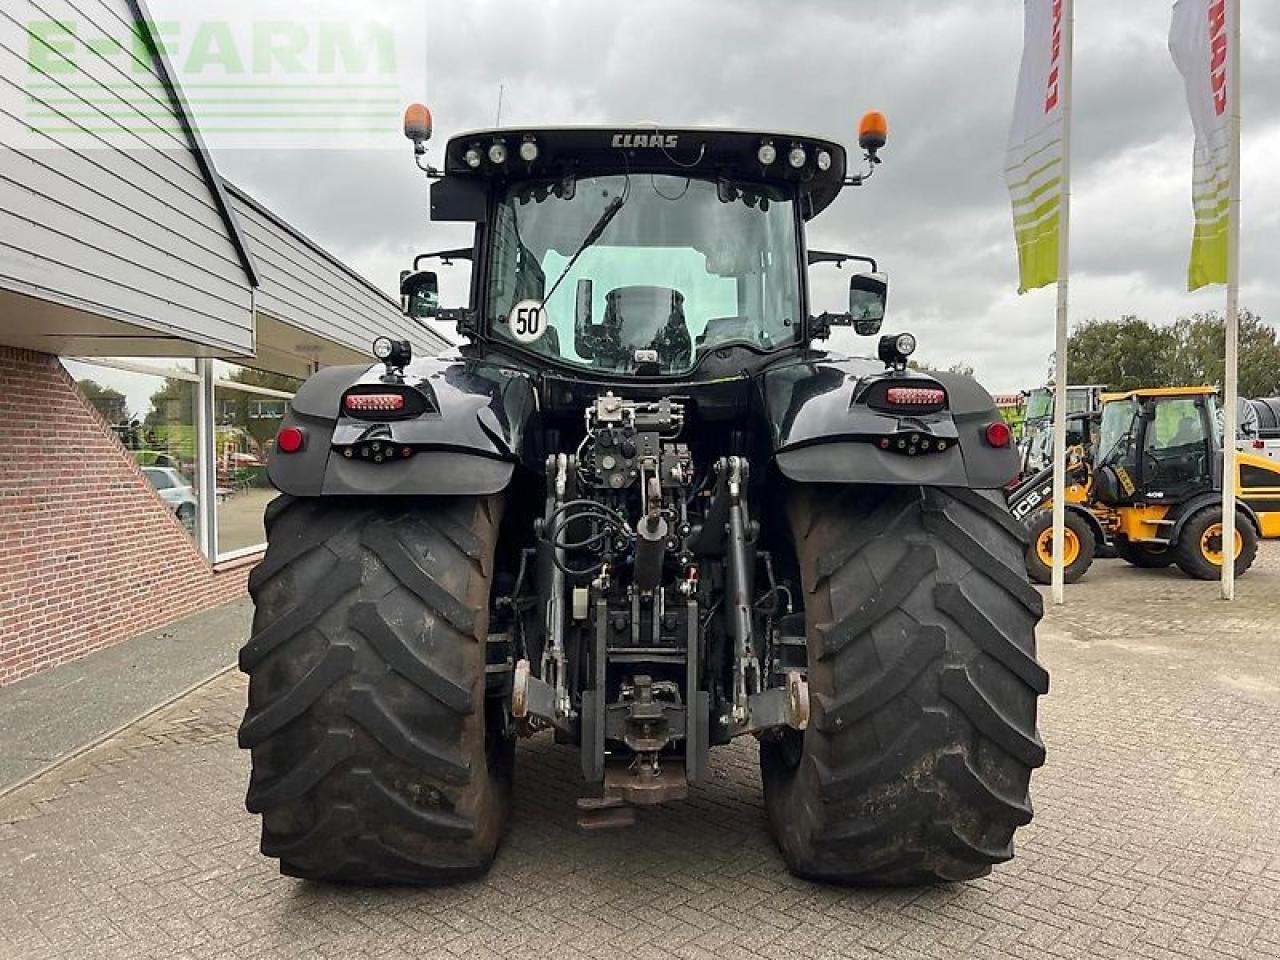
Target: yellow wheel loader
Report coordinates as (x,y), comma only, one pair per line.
(1152,490)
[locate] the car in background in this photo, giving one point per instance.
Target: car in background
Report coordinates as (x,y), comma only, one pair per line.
(175,491)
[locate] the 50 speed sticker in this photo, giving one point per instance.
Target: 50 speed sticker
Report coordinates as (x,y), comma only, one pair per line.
(528,321)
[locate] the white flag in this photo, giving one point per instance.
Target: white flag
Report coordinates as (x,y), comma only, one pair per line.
(1200,39)
(1035,161)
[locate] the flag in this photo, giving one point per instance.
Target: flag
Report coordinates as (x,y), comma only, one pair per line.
(1035,164)
(1199,40)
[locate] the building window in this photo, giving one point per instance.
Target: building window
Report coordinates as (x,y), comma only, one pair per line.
(248,407)
(150,405)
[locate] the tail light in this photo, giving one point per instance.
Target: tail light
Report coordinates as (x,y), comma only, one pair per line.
(915,396)
(999,434)
(374,402)
(1259,445)
(290,440)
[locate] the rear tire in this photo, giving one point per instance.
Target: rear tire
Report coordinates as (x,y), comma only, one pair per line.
(1141,556)
(1199,552)
(1081,546)
(376,757)
(923,686)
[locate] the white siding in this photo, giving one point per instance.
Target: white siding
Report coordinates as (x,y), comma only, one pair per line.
(119,224)
(302,285)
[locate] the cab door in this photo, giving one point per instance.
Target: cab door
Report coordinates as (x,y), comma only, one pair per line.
(1177,449)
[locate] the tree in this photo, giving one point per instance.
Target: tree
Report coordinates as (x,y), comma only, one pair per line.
(111,403)
(1122,354)
(1129,353)
(173,403)
(1202,340)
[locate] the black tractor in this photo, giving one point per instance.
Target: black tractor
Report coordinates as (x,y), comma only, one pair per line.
(640,510)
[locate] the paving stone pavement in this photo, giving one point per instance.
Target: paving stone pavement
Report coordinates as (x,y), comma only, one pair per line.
(1156,832)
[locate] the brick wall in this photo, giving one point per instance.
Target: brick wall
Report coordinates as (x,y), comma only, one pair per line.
(89,555)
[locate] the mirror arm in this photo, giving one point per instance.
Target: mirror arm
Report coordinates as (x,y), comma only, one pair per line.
(464,321)
(815,257)
(820,326)
(445,256)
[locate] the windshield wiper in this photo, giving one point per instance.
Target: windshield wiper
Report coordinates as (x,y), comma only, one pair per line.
(606,217)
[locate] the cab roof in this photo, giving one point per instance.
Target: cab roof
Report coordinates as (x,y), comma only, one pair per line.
(648,148)
(1144,392)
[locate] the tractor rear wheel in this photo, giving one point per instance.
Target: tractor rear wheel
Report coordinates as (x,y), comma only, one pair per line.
(923,687)
(376,756)
(1079,547)
(1200,551)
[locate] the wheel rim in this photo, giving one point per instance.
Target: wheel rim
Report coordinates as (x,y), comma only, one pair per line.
(1070,547)
(1211,544)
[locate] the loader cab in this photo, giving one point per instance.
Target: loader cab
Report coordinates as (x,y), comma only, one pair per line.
(1158,446)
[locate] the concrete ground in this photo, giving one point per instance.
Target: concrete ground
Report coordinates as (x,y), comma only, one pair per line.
(1156,831)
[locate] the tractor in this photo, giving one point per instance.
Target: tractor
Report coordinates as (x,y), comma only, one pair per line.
(1147,482)
(1036,442)
(641,510)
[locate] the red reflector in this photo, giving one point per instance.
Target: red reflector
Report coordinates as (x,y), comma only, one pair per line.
(290,440)
(916,396)
(375,402)
(1259,445)
(999,434)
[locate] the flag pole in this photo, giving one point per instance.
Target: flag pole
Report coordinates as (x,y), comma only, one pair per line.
(1230,387)
(1057,588)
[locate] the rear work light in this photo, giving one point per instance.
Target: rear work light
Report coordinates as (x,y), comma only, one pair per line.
(375,402)
(916,396)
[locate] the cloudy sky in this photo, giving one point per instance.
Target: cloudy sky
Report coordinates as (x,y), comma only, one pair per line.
(936,215)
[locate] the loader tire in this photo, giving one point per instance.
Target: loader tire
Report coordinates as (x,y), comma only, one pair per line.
(1080,547)
(1200,552)
(376,757)
(923,684)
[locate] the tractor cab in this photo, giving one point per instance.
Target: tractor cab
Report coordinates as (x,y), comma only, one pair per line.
(1158,446)
(670,254)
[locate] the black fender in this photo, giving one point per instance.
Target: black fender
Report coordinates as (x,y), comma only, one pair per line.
(827,427)
(1184,511)
(468,439)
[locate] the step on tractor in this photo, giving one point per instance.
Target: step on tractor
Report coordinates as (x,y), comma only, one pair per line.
(1147,482)
(639,510)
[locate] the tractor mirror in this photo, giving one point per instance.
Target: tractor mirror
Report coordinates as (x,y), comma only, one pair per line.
(583,334)
(868,294)
(419,294)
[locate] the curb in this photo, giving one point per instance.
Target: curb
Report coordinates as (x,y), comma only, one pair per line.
(113,732)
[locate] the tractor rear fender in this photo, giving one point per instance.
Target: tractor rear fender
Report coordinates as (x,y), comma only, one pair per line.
(1184,511)
(830,422)
(465,427)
